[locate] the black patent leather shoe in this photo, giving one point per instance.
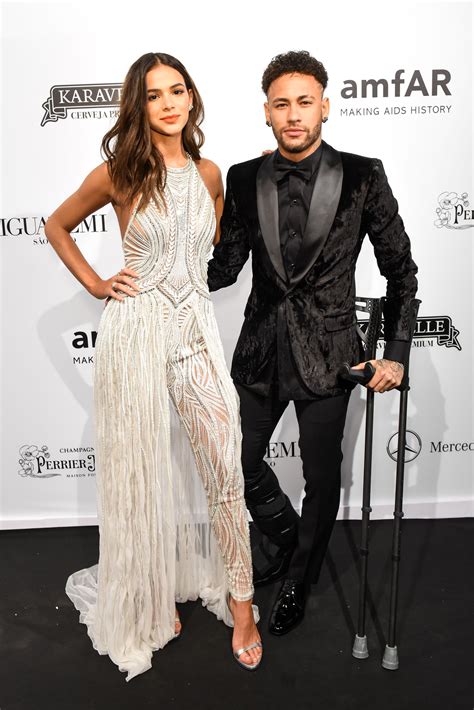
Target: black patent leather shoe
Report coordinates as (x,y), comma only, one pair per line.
(288,610)
(268,569)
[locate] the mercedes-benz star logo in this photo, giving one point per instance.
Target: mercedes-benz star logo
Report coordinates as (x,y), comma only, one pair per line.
(412,446)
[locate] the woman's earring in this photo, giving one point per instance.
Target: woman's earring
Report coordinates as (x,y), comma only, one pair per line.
(190,107)
(268,124)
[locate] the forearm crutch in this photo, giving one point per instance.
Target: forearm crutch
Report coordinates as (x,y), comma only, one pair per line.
(369,337)
(390,657)
(360,649)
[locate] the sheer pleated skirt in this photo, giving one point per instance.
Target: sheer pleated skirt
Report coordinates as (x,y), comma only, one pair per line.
(159,543)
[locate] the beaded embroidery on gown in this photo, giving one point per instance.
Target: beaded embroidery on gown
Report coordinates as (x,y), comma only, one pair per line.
(172,518)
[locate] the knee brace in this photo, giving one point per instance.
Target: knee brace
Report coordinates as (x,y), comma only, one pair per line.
(270,508)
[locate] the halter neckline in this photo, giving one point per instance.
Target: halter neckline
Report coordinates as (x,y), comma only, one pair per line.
(181,169)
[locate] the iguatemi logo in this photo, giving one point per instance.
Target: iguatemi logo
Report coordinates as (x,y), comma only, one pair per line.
(82,101)
(452,211)
(429,330)
(37,462)
(398,93)
(281,450)
(33,227)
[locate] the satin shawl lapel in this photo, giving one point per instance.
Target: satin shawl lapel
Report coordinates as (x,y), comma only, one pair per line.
(267,206)
(322,210)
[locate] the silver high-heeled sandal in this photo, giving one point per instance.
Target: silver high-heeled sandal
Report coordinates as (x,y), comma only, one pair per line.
(237,654)
(247,666)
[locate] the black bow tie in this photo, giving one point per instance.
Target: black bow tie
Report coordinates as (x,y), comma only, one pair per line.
(284,169)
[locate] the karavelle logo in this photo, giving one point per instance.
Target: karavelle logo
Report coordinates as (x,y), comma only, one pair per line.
(81,101)
(429,330)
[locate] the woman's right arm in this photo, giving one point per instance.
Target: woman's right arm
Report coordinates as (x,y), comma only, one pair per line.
(95,192)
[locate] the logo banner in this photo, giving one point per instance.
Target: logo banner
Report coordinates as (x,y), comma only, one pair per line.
(66,97)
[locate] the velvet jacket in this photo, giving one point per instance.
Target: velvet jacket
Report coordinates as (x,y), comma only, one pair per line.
(351,198)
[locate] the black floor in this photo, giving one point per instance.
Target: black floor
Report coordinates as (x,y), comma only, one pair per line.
(47,660)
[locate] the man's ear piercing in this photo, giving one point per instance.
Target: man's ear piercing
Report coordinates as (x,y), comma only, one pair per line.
(325,119)
(268,124)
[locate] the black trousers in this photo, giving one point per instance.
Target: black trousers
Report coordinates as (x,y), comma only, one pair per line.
(321,429)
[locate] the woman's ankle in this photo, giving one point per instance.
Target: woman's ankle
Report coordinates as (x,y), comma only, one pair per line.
(241,603)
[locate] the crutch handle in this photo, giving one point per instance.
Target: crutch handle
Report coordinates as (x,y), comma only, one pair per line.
(359,377)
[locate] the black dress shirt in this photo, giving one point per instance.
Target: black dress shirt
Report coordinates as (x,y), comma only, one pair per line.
(295,183)
(295,187)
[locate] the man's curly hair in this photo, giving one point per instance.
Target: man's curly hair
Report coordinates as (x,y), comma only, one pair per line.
(294,63)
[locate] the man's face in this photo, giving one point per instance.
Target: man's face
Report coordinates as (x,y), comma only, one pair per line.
(295,107)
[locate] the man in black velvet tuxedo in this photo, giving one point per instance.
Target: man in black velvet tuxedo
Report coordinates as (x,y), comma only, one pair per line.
(303,211)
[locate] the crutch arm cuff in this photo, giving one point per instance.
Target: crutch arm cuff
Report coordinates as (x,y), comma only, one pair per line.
(397,350)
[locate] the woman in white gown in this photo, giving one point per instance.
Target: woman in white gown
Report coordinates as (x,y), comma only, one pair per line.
(172,518)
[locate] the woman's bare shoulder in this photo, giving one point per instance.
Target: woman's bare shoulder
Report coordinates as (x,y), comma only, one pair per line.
(209,167)
(211,175)
(98,179)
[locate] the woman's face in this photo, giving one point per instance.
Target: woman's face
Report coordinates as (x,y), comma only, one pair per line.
(168,100)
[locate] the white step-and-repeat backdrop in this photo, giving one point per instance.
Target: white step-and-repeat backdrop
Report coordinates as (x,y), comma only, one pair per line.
(400,84)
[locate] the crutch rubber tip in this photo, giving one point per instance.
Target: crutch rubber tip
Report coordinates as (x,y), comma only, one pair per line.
(390,658)
(359,649)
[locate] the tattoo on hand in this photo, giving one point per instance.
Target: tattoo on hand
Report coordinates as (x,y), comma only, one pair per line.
(395,367)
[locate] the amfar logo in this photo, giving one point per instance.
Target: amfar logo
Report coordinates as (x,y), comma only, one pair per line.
(34,227)
(452,211)
(372,88)
(36,462)
(77,99)
(428,331)
(411,448)
(402,86)
(83,340)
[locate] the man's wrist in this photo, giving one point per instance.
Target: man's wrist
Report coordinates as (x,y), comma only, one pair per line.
(393,364)
(397,350)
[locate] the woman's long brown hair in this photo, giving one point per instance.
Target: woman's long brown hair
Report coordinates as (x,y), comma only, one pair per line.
(135,164)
